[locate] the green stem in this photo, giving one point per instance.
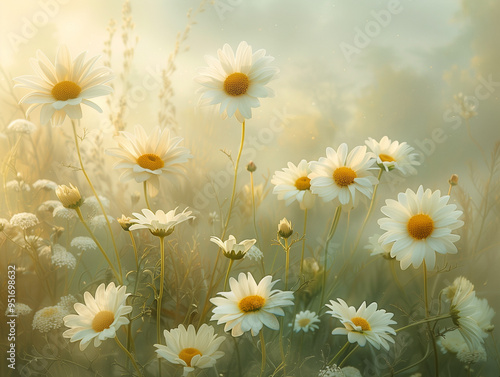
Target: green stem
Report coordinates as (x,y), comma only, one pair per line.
(231,261)
(99,246)
(160,295)
(282,348)
(233,195)
(348,355)
(431,333)
(287,265)
(426,320)
(333,228)
(98,200)
(134,246)
(263,349)
(146,195)
(254,210)
(341,351)
(303,242)
(129,355)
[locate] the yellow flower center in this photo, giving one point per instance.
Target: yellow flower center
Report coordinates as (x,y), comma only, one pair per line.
(102,320)
(344,176)
(251,303)
(187,354)
(361,322)
(304,322)
(65,90)
(150,161)
(303,183)
(236,84)
(386,158)
(420,226)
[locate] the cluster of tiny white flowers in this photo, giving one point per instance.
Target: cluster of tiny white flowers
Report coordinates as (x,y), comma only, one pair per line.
(45,184)
(21,126)
(93,205)
(83,243)
(64,213)
(254,253)
(471,357)
(19,309)
(99,221)
(61,258)
(331,371)
(24,220)
(17,186)
(67,302)
(49,206)
(49,318)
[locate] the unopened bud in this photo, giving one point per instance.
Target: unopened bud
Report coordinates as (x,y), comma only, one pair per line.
(125,222)
(69,196)
(285,229)
(453,181)
(251,167)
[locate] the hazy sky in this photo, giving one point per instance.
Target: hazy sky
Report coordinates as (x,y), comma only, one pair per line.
(349,70)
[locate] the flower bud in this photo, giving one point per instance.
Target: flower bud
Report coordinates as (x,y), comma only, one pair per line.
(285,229)
(251,167)
(453,181)
(69,196)
(125,222)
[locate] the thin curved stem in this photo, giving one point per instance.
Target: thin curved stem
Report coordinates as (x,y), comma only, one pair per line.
(97,198)
(426,320)
(287,264)
(160,295)
(99,246)
(146,195)
(348,355)
(233,195)
(431,333)
(341,351)
(303,242)
(231,261)
(129,355)
(333,228)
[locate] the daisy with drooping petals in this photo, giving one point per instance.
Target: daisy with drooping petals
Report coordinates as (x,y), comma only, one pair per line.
(231,248)
(420,224)
(364,324)
(100,317)
(249,306)
(465,311)
(145,157)
(235,82)
(62,88)
(293,184)
(340,174)
(191,349)
(394,155)
(160,224)
(305,321)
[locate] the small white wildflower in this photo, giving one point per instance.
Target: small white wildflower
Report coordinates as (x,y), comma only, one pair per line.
(61,258)
(49,206)
(254,253)
(305,321)
(452,341)
(376,248)
(471,357)
(64,213)
(21,126)
(17,186)
(67,302)
(213,217)
(4,223)
(45,184)
(19,309)
(331,371)
(49,318)
(92,205)
(83,243)
(24,220)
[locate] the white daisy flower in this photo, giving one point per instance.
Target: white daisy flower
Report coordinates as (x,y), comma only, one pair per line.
(160,224)
(248,306)
(21,126)
(49,318)
(231,249)
(364,324)
(419,225)
(293,184)
(235,82)
(100,317)
(465,311)
(376,248)
(485,315)
(339,175)
(62,88)
(24,220)
(145,158)
(191,349)
(452,342)
(305,321)
(394,155)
